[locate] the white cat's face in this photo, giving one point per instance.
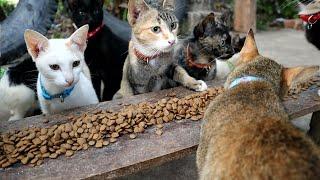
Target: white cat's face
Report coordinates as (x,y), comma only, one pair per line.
(59,61)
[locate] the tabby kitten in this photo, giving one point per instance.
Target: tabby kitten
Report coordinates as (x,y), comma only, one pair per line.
(211,40)
(105,53)
(150,65)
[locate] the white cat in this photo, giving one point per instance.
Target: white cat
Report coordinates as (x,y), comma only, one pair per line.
(224,67)
(63,80)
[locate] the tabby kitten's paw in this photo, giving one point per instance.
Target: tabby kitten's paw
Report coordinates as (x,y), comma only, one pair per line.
(200,86)
(118,95)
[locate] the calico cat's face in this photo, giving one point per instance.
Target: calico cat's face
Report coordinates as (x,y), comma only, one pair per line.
(59,61)
(213,37)
(154,29)
(86,12)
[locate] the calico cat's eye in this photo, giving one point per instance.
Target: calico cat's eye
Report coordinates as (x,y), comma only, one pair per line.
(223,42)
(173,26)
(54,67)
(156,29)
(82,13)
(75,64)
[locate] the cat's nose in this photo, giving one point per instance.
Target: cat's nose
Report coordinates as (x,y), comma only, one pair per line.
(172,42)
(69,81)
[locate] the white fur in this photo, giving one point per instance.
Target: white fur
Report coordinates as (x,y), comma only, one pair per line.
(223,69)
(319,92)
(62,52)
(202,87)
(15,101)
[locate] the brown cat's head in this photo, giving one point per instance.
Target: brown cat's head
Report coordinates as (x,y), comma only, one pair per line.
(251,63)
(153,30)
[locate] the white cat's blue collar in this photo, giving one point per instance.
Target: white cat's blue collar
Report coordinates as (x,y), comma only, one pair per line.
(47,96)
(244,79)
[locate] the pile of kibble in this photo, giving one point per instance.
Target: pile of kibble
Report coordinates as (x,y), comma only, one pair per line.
(295,91)
(102,127)
(99,128)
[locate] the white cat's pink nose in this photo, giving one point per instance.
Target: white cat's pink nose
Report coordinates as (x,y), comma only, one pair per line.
(69,81)
(172,42)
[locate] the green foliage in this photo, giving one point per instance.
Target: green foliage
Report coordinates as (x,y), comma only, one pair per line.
(6,6)
(269,10)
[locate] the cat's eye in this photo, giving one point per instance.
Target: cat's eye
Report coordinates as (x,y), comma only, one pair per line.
(156,29)
(82,13)
(55,67)
(223,43)
(173,26)
(75,64)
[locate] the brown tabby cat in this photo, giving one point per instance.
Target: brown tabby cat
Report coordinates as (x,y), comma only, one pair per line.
(150,65)
(247,133)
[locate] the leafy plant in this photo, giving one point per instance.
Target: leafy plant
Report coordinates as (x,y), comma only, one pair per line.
(6,7)
(269,10)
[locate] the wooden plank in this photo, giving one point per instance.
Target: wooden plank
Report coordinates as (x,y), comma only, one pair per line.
(314,131)
(245,15)
(129,156)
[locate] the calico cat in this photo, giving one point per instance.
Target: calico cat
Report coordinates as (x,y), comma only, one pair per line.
(105,53)
(311,16)
(17,91)
(210,40)
(150,65)
(63,79)
(247,133)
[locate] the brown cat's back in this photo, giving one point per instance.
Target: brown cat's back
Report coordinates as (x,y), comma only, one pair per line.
(249,137)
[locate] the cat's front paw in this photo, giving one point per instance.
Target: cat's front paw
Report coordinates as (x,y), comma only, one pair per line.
(200,86)
(118,95)
(319,92)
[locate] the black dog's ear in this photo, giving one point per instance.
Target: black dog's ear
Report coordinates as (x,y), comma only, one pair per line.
(199,30)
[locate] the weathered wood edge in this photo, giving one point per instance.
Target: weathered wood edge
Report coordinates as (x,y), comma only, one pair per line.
(171,147)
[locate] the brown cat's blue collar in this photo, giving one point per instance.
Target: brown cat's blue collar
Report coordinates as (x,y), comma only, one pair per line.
(95,31)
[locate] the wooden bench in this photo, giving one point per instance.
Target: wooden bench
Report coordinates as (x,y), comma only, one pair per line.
(148,150)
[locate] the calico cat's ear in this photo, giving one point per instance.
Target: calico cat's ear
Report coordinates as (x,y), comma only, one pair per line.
(36,43)
(79,37)
(294,76)
(135,9)
(250,50)
(199,30)
(168,5)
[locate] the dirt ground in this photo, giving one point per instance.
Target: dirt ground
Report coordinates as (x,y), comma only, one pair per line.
(290,48)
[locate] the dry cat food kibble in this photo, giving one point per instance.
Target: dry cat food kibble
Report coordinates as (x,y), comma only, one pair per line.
(99,128)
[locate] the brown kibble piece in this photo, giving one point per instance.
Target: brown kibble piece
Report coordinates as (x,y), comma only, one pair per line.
(69,153)
(91,143)
(113,140)
(132,136)
(159,132)
(99,144)
(53,156)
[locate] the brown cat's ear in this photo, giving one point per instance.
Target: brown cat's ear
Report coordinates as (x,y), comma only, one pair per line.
(168,5)
(36,43)
(249,50)
(135,9)
(297,75)
(79,37)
